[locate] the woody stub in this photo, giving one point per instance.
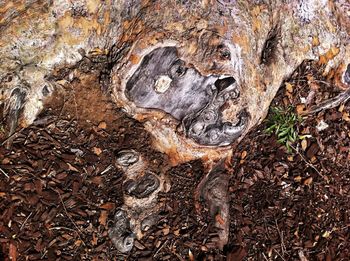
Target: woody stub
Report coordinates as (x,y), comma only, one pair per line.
(198,74)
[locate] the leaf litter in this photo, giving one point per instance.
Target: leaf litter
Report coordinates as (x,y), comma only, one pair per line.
(59,188)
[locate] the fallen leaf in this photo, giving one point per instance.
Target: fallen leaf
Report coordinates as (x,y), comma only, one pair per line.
(300,109)
(108,206)
(204,249)
(5,161)
(166,230)
(102,125)
(72,168)
(97,180)
(289,87)
(322,126)
(326,234)
(302,256)
(269,252)
(244,154)
(97,151)
(308,181)
(297,179)
(13,252)
(94,239)
(138,245)
(345,116)
(190,255)
(296,233)
(103,218)
(177,232)
(304,144)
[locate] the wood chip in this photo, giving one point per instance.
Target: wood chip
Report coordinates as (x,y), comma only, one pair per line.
(13,252)
(346,117)
(94,239)
(102,125)
(300,109)
(166,230)
(108,206)
(97,151)
(103,217)
(289,87)
(308,181)
(304,144)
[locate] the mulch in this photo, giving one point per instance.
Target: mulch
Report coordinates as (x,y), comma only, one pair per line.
(59,188)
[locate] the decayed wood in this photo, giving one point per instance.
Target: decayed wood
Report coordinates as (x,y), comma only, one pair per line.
(198,74)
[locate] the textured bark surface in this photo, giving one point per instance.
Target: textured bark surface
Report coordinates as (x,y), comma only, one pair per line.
(198,74)
(256,43)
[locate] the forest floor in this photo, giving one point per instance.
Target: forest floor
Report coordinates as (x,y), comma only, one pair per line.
(59,186)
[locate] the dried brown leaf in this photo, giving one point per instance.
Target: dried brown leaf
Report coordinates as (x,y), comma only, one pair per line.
(308,181)
(13,252)
(289,87)
(103,217)
(97,151)
(72,168)
(108,206)
(304,144)
(102,125)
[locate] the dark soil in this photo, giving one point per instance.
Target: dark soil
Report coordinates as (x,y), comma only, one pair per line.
(59,186)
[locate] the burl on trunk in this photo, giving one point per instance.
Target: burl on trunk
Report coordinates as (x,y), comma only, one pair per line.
(198,74)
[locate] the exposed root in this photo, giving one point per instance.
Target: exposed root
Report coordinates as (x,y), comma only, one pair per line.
(330,103)
(213,190)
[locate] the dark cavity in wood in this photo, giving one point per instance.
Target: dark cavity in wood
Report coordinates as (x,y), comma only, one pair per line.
(270,46)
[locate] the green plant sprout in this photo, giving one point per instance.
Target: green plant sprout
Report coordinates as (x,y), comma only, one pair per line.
(283,123)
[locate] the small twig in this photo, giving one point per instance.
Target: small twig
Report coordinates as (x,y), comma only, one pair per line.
(25,221)
(265,257)
(330,103)
(302,256)
(58,228)
(11,137)
(283,247)
(178,256)
(279,255)
(163,245)
(109,167)
(70,218)
(5,174)
(307,163)
(42,256)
